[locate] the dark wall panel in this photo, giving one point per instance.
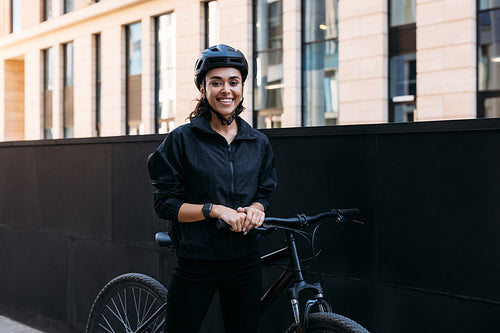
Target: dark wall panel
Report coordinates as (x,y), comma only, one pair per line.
(133,194)
(34,268)
(74,189)
(76,212)
(18,187)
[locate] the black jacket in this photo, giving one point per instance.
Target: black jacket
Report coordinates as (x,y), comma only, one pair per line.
(194,164)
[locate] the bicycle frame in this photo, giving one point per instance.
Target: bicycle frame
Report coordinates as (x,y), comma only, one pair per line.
(285,278)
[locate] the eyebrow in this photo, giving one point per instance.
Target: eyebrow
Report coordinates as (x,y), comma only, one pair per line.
(215,77)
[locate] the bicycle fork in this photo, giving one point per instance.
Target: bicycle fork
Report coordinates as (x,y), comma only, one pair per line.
(300,285)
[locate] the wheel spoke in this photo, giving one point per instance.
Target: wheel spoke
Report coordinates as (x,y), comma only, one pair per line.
(109,325)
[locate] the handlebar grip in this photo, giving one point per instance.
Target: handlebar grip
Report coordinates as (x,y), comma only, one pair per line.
(220,224)
(350,212)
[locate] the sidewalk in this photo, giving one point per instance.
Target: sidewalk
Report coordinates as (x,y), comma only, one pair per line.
(9,326)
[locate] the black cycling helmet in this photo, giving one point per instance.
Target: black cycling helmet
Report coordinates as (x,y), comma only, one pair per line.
(219,56)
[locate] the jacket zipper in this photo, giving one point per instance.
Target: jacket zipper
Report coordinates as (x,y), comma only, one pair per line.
(231,167)
(231,199)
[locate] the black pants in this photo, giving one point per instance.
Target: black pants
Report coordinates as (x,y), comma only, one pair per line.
(194,283)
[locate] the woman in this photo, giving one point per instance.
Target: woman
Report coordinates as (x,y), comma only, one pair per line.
(215,167)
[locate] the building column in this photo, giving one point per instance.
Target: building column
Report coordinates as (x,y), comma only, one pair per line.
(33,98)
(84,110)
(148,75)
(292,64)
(113,83)
(446,59)
(363,61)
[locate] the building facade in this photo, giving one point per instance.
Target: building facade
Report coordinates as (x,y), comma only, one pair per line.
(81,68)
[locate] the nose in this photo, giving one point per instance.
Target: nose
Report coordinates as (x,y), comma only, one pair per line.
(225,87)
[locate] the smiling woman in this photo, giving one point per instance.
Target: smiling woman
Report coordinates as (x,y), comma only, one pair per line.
(215,167)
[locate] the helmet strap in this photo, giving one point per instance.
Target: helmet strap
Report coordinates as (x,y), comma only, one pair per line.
(223,120)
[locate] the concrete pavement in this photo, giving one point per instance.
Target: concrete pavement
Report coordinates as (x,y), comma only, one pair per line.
(7,325)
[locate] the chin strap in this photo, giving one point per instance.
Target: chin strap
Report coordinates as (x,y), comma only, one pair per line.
(236,112)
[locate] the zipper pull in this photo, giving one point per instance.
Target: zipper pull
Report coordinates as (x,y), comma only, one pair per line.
(230,153)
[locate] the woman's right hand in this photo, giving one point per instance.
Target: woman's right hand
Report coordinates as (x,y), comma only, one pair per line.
(232,217)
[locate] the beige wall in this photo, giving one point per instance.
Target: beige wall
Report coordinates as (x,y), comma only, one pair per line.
(363,62)
(446,59)
(446,63)
(5,17)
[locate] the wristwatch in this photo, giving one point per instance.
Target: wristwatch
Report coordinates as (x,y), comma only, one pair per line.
(207,208)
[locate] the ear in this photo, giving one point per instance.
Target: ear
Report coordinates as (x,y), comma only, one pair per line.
(202,90)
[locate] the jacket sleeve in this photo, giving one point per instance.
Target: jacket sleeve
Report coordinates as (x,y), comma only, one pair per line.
(167,177)
(267,177)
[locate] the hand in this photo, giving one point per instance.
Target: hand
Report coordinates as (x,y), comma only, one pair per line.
(254,218)
(232,217)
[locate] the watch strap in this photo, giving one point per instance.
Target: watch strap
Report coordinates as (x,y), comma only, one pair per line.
(207,208)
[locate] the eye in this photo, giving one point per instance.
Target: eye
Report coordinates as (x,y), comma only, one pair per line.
(216,83)
(235,82)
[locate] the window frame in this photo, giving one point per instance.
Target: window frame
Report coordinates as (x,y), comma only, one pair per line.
(269,112)
(482,95)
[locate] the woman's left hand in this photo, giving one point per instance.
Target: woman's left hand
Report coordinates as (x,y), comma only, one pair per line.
(254,217)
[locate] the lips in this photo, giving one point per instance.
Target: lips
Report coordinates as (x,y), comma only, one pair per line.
(225,101)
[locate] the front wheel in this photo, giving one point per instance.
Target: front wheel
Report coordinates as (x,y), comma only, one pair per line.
(327,322)
(128,302)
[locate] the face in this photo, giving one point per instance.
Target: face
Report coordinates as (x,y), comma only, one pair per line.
(223,89)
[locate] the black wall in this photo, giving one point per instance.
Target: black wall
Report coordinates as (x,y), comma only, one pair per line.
(75,213)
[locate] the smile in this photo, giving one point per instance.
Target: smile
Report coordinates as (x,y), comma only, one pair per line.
(225,100)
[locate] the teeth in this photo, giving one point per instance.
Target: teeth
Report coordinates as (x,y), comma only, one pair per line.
(226,100)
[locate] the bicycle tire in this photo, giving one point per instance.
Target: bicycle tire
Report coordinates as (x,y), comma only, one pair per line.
(125,303)
(328,322)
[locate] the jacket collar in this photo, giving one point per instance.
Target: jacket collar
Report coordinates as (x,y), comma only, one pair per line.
(245,131)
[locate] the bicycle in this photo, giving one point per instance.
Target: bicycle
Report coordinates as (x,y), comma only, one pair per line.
(135,303)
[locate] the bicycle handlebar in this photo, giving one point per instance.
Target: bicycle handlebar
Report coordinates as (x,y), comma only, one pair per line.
(301,220)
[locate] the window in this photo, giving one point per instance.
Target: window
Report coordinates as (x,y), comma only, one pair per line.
(15,6)
(320,64)
(97,78)
(48,65)
(47,10)
(402,61)
(68,6)
(165,73)
(68,113)
(211,23)
(488,58)
(402,12)
(134,76)
(268,84)
(403,86)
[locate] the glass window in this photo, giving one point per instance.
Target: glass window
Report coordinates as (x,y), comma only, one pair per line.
(48,66)
(268,85)
(491,107)
(403,69)
(489,50)
(15,16)
(47,10)
(402,12)
(134,76)
(97,44)
(165,73)
(320,72)
(488,4)
(211,23)
(68,91)
(402,87)
(68,6)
